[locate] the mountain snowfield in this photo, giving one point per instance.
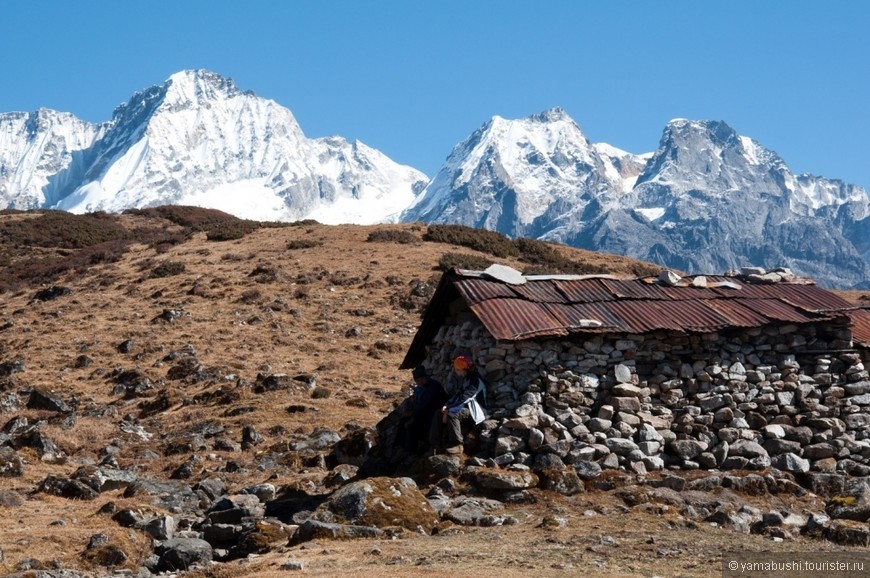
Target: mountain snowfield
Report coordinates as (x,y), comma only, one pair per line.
(706,200)
(199,140)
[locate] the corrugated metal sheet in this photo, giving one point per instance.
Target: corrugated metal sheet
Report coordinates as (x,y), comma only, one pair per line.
(540,292)
(634,289)
(688,293)
(572,316)
(812,298)
(776,310)
(479,290)
(642,316)
(806,297)
(585,290)
(692,316)
(861,326)
(736,314)
(513,319)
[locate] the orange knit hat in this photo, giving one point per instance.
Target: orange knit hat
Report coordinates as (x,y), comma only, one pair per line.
(461,362)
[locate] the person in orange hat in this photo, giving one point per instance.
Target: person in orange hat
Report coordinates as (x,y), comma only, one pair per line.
(466,400)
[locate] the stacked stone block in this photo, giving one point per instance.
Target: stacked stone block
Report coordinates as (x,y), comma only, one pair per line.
(792,397)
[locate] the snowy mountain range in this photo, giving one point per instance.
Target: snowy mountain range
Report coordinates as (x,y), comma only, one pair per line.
(198,140)
(706,200)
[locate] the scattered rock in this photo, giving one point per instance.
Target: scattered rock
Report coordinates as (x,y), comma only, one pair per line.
(183,554)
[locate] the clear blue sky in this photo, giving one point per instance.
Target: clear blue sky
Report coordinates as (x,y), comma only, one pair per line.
(413,78)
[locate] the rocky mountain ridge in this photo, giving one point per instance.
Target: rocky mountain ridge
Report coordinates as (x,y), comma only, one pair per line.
(707,200)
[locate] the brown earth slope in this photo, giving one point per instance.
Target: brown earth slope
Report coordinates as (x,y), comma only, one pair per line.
(324,305)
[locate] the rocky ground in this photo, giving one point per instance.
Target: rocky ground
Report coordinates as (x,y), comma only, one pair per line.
(209,400)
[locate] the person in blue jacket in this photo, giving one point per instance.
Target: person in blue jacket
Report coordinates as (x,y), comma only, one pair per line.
(429,397)
(466,400)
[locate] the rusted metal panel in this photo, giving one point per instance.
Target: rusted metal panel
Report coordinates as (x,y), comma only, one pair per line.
(860,326)
(777,310)
(584,291)
(688,293)
(540,292)
(642,316)
(634,289)
(572,316)
(806,297)
(737,314)
(475,290)
(812,298)
(513,319)
(692,316)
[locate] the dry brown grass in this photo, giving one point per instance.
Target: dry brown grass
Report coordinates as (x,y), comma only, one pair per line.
(292,316)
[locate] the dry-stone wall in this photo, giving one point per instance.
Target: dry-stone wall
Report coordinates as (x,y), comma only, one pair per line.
(794,397)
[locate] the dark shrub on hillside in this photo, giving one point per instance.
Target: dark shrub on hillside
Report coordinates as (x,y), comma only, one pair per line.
(646,270)
(230,230)
(62,230)
(34,269)
(161,239)
(544,260)
(534,251)
(167,269)
(463,261)
(303,244)
(392,236)
(196,218)
(303,223)
(481,240)
(217,225)
(250,296)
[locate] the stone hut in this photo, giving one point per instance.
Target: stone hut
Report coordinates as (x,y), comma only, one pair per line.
(750,370)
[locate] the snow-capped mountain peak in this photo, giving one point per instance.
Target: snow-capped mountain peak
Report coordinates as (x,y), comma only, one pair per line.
(198,139)
(523,175)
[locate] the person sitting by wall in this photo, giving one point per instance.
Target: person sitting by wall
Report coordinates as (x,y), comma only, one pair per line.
(428,399)
(465,402)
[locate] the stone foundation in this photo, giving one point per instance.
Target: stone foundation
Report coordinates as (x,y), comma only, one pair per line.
(794,397)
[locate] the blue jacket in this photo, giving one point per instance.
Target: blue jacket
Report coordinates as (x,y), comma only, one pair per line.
(428,399)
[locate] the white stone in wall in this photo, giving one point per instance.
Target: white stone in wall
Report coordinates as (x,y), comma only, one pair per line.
(622,373)
(536,439)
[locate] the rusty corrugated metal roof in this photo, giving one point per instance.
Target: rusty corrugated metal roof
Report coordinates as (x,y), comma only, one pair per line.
(860,326)
(807,297)
(643,316)
(736,314)
(693,315)
(513,319)
(777,310)
(584,290)
(476,290)
(573,316)
(556,306)
(541,292)
(634,289)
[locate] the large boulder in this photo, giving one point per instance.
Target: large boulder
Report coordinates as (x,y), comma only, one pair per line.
(183,554)
(380,502)
(491,479)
